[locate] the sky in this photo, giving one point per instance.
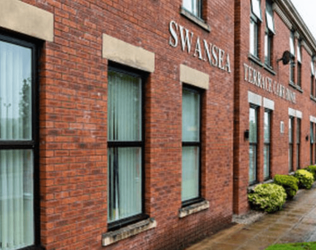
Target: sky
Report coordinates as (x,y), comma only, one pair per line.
(307,8)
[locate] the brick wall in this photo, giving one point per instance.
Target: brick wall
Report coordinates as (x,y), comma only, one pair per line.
(73,123)
(279,142)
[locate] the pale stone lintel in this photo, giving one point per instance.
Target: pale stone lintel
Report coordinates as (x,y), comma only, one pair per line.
(194,77)
(254,99)
(267,103)
(299,114)
(195,208)
(128,231)
(128,54)
(27,19)
(312,119)
(295,113)
(292,112)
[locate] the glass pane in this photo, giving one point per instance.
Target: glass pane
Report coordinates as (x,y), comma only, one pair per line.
(298,49)
(252,163)
(253,34)
(256,8)
(269,16)
(298,131)
(312,68)
(312,134)
(266,126)
(190,173)
(252,125)
(194,6)
(124,183)
(190,116)
(298,157)
(16,199)
(290,158)
(266,50)
(124,107)
(290,130)
(292,44)
(15,92)
(266,161)
(188,5)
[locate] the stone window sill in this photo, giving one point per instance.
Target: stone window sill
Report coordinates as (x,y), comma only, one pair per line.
(295,86)
(269,69)
(194,208)
(255,59)
(128,231)
(195,19)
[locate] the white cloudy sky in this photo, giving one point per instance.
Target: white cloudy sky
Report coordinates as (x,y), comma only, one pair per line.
(307,9)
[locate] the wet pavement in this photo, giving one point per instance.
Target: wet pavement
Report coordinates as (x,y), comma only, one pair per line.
(295,223)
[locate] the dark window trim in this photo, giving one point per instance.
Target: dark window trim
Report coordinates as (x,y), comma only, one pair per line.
(311,136)
(116,67)
(269,63)
(200,3)
(298,141)
(256,108)
(256,37)
(291,144)
(195,144)
(32,144)
(269,111)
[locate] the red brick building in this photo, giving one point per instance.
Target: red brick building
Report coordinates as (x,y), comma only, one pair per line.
(274,117)
(129,125)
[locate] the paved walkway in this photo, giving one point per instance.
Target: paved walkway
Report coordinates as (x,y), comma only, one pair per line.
(295,223)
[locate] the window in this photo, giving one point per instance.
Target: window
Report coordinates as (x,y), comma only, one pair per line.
(298,143)
(125,148)
(253,144)
(312,78)
(191,145)
(292,62)
(19,203)
(255,19)
(299,65)
(269,34)
(267,136)
(193,6)
(311,142)
(291,136)
(268,48)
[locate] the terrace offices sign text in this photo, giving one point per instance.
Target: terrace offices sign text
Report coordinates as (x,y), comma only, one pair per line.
(255,77)
(201,49)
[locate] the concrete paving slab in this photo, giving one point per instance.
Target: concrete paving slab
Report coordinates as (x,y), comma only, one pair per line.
(295,223)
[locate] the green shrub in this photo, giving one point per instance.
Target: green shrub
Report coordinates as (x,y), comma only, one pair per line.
(289,183)
(305,178)
(312,169)
(268,197)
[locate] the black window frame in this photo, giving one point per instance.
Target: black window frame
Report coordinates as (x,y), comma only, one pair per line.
(116,67)
(254,144)
(269,40)
(298,142)
(33,144)
(291,144)
(311,142)
(256,35)
(312,85)
(299,64)
(195,144)
(293,59)
(268,144)
(199,15)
